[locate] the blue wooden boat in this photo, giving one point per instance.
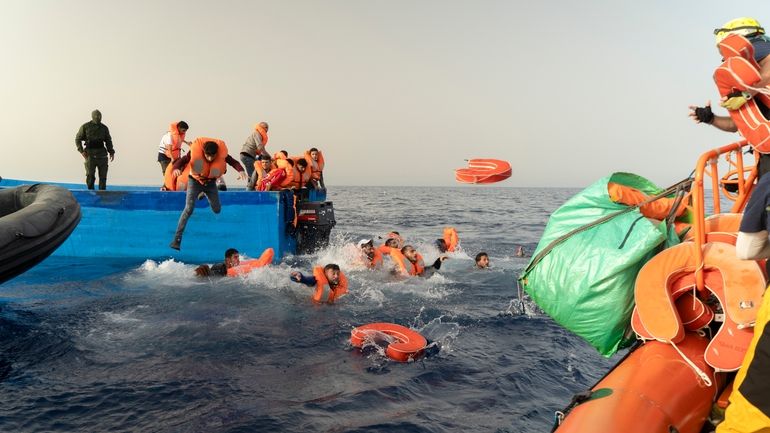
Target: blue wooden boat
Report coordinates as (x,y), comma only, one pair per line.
(135,222)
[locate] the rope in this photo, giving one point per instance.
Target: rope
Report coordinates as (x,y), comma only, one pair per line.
(541,255)
(706,379)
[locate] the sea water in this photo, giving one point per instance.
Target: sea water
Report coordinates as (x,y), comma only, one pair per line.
(106,345)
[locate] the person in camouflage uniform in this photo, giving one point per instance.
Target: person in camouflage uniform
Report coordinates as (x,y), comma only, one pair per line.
(93,141)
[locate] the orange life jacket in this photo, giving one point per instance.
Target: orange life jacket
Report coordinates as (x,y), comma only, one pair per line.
(202,170)
(300,178)
(291,172)
(383,249)
(376,260)
(658,209)
(276,157)
(177,138)
(262,133)
(178,183)
(406,266)
(261,172)
(450,238)
(398,238)
(246,266)
(315,167)
(738,72)
(322,281)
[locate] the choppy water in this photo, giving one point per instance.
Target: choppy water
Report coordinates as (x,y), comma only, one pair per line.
(116,346)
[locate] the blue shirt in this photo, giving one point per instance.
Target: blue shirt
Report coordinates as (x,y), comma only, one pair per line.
(761,47)
(756,212)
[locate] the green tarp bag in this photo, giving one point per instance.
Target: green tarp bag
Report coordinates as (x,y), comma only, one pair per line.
(586,282)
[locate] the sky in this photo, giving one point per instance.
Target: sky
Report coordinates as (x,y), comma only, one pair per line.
(394,93)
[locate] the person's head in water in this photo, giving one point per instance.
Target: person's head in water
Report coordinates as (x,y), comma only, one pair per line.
(520,251)
(391,242)
(441,245)
(410,253)
(210,150)
(482,260)
(232,258)
(367,247)
(332,273)
(96,116)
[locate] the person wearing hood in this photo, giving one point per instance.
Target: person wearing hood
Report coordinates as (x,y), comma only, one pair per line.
(93,141)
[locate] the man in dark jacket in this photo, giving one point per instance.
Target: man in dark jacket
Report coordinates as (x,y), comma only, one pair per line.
(93,141)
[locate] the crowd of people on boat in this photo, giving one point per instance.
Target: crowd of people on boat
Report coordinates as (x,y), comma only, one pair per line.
(263,171)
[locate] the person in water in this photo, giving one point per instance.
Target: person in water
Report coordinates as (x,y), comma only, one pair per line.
(482,260)
(328,276)
(94,142)
(409,262)
(371,256)
(441,245)
(520,252)
(232,259)
(208,160)
(254,146)
(753,31)
(170,148)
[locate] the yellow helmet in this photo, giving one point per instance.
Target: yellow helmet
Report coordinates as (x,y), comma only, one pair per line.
(743,26)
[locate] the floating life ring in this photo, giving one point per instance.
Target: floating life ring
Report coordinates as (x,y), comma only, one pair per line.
(484,170)
(404,344)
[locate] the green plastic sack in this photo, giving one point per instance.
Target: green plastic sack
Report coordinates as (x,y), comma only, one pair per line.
(586,282)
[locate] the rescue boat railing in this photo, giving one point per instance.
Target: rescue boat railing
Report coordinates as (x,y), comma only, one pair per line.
(737,173)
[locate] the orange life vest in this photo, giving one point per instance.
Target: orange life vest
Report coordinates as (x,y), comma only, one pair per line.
(262,133)
(322,281)
(272,181)
(202,170)
(450,238)
(376,260)
(177,138)
(383,249)
(178,183)
(315,167)
(291,172)
(246,266)
(658,209)
(738,72)
(276,157)
(300,178)
(406,266)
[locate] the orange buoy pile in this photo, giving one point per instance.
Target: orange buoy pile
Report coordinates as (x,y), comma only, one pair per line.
(484,170)
(404,344)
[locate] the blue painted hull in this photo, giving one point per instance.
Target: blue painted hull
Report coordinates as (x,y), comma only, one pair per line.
(139,222)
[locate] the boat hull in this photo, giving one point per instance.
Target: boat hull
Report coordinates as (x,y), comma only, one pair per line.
(136,223)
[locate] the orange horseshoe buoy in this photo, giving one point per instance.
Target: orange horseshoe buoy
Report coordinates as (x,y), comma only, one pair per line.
(404,344)
(738,285)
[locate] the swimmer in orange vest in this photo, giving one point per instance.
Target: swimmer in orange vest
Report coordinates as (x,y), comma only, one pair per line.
(482,260)
(232,258)
(328,276)
(409,262)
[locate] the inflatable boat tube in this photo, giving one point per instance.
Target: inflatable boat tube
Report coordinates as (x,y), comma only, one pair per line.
(34,221)
(404,344)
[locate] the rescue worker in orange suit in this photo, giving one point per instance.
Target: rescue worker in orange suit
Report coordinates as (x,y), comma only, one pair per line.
(232,258)
(207,158)
(94,142)
(751,30)
(170,148)
(328,276)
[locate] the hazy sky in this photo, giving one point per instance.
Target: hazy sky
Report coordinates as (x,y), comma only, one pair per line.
(394,92)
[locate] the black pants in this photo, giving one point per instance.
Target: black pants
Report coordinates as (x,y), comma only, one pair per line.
(164,162)
(194,188)
(93,163)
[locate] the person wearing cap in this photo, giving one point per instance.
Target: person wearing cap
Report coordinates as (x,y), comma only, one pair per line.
(753,31)
(207,157)
(94,142)
(372,256)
